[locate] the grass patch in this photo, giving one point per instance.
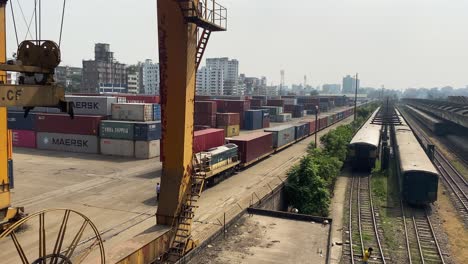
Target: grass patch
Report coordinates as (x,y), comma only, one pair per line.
(385,192)
(460,168)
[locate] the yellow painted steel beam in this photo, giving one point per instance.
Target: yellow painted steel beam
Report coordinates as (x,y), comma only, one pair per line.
(5,198)
(31,95)
(177,51)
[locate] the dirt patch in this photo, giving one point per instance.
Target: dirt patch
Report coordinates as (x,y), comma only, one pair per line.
(453,227)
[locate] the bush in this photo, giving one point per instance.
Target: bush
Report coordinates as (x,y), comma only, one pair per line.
(306,190)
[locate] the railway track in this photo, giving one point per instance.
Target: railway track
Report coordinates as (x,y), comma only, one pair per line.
(452,178)
(421,240)
(363,229)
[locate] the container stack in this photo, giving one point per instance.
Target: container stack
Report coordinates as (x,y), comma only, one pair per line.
(235,106)
(296,110)
(23,129)
(275,102)
(283,117)
(230,122)
(256,102)
(132,132)
(60,132)
(253,146)
(205,113)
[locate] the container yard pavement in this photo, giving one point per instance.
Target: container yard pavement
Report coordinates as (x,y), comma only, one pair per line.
(115,193)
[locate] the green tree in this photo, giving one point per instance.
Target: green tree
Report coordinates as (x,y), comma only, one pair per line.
(306,190)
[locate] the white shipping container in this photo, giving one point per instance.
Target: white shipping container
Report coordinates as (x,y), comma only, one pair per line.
(132,112)
(147,149)
(91,105)
(117,147)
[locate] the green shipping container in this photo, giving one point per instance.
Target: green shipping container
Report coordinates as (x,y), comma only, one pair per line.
(117,129)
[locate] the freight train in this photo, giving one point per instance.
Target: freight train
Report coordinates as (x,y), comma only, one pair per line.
(247,149)
(419,178)
(364,147)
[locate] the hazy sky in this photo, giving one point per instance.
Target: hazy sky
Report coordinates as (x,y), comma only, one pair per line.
(398,43)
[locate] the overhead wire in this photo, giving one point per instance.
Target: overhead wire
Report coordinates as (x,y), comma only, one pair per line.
(35,19)
(14,22)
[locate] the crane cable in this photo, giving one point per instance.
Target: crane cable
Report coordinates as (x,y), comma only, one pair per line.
(14,22)
(61,24)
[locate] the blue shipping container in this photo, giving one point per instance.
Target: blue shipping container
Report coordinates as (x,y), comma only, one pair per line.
(17,121)
(147,131)
(253,119)
(156,112)
(11,179)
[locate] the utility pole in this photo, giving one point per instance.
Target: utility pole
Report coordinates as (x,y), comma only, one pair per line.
(355,96)
(316,124)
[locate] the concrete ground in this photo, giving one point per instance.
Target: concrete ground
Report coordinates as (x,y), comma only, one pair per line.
(264,239)
(337,211)
(118,194)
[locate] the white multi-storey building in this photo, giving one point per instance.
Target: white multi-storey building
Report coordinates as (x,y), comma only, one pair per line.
(150,77)
(220,76)
(210,81)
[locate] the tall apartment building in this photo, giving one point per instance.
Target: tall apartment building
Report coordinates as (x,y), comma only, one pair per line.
(104,73)
(349,85)
(210,81)
(150,78)
(331,88)
(220,76)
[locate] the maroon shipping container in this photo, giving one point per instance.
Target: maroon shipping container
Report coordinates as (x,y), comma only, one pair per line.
(227,119)
(288,108)
(253,146)
(237,106)
(312,127)
(208,107)
(24,138)
(62,123)
(257,102)
(266,122)
(207,138)
(202,97)
(310,106)
(204,119)
(275,102)
(323,122)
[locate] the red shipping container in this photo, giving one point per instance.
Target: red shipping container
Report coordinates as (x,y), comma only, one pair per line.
(24,138)
(323,122)
(207,138)
(205,107)
(312,127)
(275,102)
(61,123)
(237,106)
(256,102)
(253,146)
(227,119)
(205,119)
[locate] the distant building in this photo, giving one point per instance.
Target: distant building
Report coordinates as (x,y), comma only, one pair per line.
(151,79)
(349,85)
(134,83)
(331,88)
(12,78)
(69,77)
(104,73)
(210,81)
(220,76)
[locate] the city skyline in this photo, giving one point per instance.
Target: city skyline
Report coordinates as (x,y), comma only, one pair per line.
(324,41)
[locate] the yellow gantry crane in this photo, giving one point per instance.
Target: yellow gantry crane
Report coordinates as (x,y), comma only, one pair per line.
(184,28)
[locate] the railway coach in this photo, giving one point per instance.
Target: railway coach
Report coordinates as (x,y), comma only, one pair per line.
(364,147)
(418,177)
